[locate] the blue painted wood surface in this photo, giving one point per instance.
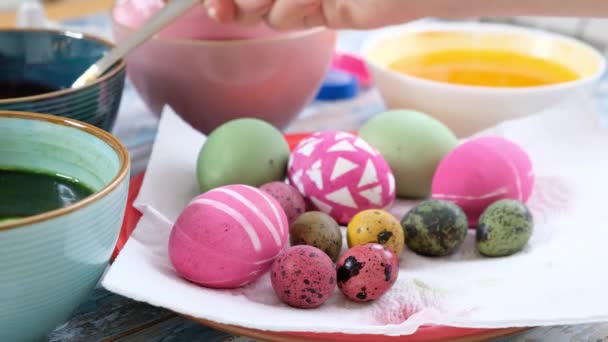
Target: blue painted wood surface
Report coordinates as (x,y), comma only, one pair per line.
(109,317)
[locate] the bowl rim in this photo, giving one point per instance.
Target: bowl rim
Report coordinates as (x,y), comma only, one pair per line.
(231,42)
(483,27)
(121,66)
(106,137)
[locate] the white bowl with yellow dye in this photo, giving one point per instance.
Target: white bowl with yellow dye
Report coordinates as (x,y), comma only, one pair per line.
(472,76)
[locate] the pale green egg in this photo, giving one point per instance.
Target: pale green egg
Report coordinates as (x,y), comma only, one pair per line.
(413,144)
(243,151)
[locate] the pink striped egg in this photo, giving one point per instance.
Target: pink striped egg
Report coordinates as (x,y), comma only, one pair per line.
(228,237)
(341,175)
(482,171)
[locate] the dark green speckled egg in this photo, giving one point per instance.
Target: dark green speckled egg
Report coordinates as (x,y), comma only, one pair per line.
(435,228)
(504,228)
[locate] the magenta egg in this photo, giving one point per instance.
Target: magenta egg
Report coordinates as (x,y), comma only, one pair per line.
(228,237)
(303,277)
(366,272)
(341,175)
(288,197)
(482,171)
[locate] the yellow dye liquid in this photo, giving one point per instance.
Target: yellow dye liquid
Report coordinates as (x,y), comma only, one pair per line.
(485,68)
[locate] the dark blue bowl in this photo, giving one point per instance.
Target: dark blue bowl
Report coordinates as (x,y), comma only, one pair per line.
(37,68)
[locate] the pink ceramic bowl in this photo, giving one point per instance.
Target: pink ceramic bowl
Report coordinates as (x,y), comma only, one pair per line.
(210,82)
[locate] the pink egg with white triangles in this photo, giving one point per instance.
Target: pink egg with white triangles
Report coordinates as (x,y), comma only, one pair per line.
(228,237)
(341,175)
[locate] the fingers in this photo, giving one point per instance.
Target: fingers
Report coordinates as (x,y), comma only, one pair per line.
(221,10)
(241,11)
(252,11)
(296,14)
(304,14)
(279,14)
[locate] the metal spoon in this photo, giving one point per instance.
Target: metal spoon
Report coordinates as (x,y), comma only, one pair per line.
(163,18)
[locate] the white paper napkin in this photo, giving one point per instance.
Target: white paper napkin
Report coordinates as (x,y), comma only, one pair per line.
(560,278)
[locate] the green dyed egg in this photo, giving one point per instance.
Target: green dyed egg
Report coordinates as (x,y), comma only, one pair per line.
(504,228)
(242,151)
(435,228)
(413,144)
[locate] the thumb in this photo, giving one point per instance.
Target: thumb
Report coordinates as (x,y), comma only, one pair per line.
(296,14)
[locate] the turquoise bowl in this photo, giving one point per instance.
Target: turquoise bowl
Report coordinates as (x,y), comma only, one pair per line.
(50,262)
(55,59)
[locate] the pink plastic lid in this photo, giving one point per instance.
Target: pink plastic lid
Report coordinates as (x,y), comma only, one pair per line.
(354,66)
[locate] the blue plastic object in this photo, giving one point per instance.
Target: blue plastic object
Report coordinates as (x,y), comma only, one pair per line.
(338,85)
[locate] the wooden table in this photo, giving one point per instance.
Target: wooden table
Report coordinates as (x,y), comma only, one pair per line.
(58,10)
(109,317)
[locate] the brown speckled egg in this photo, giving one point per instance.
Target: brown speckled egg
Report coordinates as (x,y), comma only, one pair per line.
(288,197)
(317,229)
(366,272)
(303,277)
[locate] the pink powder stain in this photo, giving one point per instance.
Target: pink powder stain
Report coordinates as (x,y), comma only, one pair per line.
(395,316)
(551,197)
(408,298)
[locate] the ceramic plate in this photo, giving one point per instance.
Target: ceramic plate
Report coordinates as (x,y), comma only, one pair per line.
(424,334)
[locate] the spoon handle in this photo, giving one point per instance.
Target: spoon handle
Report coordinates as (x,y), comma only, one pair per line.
(169,13)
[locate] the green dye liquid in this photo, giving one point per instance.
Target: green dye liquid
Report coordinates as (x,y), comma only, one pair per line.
(26,193)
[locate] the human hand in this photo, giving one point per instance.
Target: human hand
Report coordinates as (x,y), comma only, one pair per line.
(302,14)
(366,14)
